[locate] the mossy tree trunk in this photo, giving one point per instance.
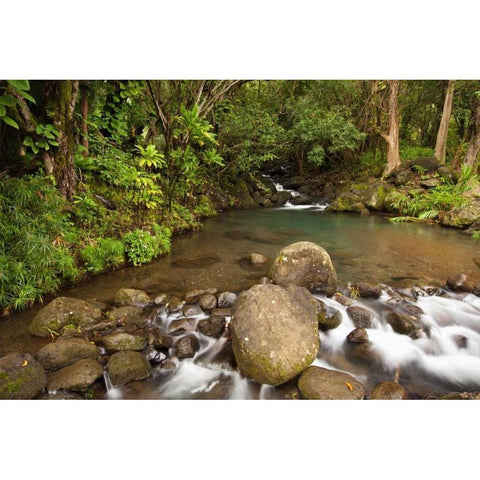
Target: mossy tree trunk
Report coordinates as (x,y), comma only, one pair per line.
(393,137)
(61,97)
(441,144)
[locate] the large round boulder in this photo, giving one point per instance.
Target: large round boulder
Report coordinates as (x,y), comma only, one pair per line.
(21,377)
(317,383)
(128,366)
(274,332)
(76,377)
(63,311)
(65,352)
(307,265)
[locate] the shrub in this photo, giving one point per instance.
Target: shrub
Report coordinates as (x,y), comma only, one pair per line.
(142,247)
(35,233)
(105,254)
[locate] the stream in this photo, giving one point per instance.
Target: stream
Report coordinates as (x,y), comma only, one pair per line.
(444,357)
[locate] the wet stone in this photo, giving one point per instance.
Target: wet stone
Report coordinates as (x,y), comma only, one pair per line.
(154,356)
(342,299)
(208,302)
(212,327)
(182,325)
(368,290)
(226,299)
(159,339)
(359,335)
(186,347)
(221,312)
(389,391)
(128,366)
(122,341)
(161,299)
(77,377)
(131,296)
(401,323)
(175,304)
(128,316)
(361,317)
(459,283)
(192,310)
(258,258)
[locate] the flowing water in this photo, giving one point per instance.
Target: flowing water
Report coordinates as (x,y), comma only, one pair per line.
(445,356)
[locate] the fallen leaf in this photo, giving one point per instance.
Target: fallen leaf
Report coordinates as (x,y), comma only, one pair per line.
(25,363)
(349,385)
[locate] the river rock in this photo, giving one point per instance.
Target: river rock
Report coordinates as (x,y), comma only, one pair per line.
(154,356)
(258,258)
(161,299)
(208,302)
(129,316)
(221,312)
(464,216)
(459,283)
(301,200)
(118,341)
(359,335)
(186,347)
(159,339)
(361,317)
(389,391)
(328,317)
(226,299)
(193,296)
(319,383)
(368,290)
(192,310)
(128,366)
(175,304)
(342,299)
(265,280)
(63,311)
(307,265)
(402,323)
(65,352)
(131,296)
(21,377)
(76,377)
(182,325)
(274,332)
(212,327)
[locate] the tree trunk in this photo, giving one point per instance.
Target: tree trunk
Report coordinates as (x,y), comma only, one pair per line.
(84,136)
(392,139)
(441,144)
(61,97)
(474,144)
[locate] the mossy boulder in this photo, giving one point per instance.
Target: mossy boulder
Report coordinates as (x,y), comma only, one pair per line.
(448,173)
(128,316)
(118,341)
(389,391)
(128,366)
(21,377)
(317,383)
(463,217)
(307,265)
(63,311)
(328,317)
(131,296)
(65,352)
(274,332)
(376,196)
(426,164)
(240,191)
(77,377)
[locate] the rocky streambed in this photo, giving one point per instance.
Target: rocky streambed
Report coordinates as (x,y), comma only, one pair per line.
(295,334)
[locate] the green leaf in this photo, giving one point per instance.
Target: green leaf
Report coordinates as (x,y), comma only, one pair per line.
(11,122)
(7,100)
(27,96)
(39,129)
(3,111)
(19,84)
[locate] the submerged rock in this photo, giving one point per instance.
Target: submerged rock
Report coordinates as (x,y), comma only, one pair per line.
(274,332)
(389,391)
(76,377)
(128,366)
(63,311)
(328,317)
(131,296)
(258,258)
(118,341)
(307,265)
(21,377)
(317,383)
(191,310)
(65,352)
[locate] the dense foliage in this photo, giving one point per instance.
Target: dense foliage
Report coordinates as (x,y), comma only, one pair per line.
(95,174)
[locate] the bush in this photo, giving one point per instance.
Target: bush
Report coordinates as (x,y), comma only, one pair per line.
(142,247)
(35,235)
(408,152)
(105,254)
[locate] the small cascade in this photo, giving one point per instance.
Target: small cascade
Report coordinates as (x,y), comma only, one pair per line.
(113,392)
